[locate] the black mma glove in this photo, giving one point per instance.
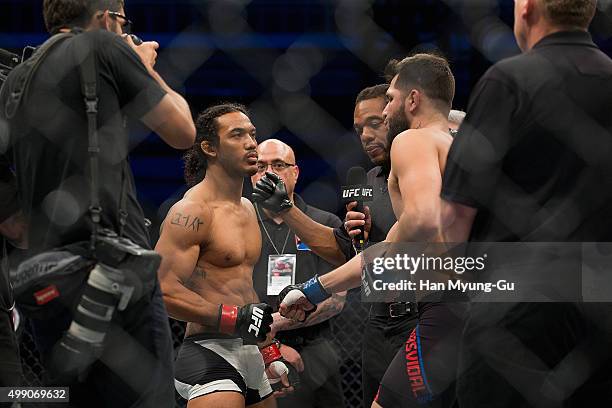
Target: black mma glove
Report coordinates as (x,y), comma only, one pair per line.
(271,193)
(251,322)
(277,366)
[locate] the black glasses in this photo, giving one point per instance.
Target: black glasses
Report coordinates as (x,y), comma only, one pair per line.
(277,166)
(126,27)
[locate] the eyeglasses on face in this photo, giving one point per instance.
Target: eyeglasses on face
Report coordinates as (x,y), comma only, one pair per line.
(277,166)
(126,27)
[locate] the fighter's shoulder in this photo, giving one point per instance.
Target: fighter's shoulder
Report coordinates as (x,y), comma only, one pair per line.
(247,205)
(189,216)
(413,138)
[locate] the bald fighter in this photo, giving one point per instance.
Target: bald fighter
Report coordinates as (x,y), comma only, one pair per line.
(209,243)
(419,99)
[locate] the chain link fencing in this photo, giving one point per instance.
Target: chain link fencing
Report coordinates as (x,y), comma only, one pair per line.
(298,65)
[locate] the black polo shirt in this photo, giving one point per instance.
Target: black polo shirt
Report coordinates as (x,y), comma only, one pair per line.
(381,213)
(307,263)
(534,154)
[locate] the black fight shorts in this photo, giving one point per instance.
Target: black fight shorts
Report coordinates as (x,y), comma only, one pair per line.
(210,363)
(424,371)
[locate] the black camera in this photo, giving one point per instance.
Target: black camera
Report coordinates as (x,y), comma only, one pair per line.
(8,61)
(124,273)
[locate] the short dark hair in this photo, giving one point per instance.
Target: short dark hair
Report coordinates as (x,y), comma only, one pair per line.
(570,13)
(207,129)
(74,13)
(430,73)
(372,92)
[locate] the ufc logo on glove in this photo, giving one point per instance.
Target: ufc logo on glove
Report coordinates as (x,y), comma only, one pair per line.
(256,318)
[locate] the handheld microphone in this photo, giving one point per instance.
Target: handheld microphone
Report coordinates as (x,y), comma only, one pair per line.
(357,190)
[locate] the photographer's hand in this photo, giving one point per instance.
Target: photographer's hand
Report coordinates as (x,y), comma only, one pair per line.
(147,51)
(171,118)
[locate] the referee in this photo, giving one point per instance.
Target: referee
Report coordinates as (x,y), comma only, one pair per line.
(388,325)
(532,163)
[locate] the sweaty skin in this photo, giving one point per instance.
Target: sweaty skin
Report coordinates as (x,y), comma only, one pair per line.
(210,239)
(418,160)
(215,241)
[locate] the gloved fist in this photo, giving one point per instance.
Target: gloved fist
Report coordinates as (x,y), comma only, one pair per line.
(251,322)
(271,193)
(297,302)
(283,377)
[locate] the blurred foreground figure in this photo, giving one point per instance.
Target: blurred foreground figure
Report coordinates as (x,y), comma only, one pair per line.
(88,244)
(532,163)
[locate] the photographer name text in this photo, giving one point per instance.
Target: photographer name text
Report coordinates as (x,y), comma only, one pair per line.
(427,285)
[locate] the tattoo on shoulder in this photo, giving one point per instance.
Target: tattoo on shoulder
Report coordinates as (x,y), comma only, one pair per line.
(187,221)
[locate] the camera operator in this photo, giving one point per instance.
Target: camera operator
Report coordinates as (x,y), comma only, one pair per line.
(48,141)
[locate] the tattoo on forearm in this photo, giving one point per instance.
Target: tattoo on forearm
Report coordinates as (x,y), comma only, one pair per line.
(325,310)
(330,308)
(187,221)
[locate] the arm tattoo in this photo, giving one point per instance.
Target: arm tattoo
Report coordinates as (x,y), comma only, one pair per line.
(200,272)
(198,275)
(329,309)
(187,221)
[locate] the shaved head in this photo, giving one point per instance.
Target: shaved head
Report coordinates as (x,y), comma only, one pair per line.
(273,151)
(282,149)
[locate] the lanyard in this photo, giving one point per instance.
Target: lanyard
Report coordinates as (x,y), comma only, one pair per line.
(268,235)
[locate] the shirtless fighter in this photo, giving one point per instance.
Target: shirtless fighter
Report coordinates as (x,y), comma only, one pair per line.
(209,243)
(419,99)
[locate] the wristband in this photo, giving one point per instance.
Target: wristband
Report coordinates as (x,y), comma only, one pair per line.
(227,319)
(270,353)
(314,291)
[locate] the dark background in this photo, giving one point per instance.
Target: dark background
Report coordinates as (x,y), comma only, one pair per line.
(298,64)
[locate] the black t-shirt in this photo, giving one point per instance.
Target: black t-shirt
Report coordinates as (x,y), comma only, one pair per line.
(49,140)
(534,153)
(381,213)
(307,263)
(9,203)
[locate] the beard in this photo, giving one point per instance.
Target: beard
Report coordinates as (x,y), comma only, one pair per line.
(397,124)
